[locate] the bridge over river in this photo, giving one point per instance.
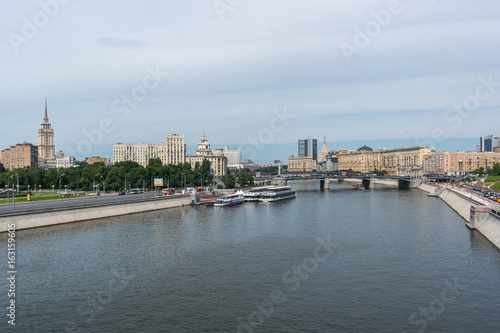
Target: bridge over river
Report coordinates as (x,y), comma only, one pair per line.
(368,181)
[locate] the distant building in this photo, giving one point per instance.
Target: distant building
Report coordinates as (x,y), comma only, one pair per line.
(65,161)
(46,148)
(363,160)
(401,161)
(489,143)
(250,165)
(96,159)
(330,164)
(233,158)
(324,151)
(459,163)
(308,148)
(218,162)
(173,151)
(301,164)
(19,156)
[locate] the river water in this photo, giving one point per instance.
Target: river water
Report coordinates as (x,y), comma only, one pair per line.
(328,261)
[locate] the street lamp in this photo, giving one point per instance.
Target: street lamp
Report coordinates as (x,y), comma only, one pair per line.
(104,187)
(53,188)
(183,179)
(126,181)
(93,185)
(143,192)
(203,178)
(60,186)
(152,175)
(8,189)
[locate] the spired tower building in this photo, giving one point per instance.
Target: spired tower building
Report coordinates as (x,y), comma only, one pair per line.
(46,148)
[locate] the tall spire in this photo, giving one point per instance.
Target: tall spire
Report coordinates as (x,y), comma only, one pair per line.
(46,118)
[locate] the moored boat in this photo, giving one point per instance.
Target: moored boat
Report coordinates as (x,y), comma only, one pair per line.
(255,193)
(278,193)
(230,200)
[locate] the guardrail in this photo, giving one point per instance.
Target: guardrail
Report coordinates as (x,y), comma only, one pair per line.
(87,204)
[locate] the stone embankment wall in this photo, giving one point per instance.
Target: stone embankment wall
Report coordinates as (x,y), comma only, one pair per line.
(27,221)
(477,216)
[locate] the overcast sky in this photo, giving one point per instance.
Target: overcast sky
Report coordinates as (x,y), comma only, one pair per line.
(248,72)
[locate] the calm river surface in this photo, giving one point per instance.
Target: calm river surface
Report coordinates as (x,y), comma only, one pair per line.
(328,261)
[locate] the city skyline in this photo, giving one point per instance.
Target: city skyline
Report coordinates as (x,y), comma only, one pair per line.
(303,69)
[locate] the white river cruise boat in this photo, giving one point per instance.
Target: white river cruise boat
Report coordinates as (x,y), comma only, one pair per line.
(278,193)
(230,200)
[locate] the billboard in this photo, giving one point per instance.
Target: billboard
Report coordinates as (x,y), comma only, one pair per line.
(158,181)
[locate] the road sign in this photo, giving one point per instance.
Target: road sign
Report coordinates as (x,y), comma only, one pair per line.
(158,181)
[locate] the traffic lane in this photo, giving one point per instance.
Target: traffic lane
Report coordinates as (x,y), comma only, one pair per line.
(59,204)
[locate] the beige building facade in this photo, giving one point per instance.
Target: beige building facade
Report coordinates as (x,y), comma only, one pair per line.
(400,162)
(459,163)
(218,161)
(19,156)
(173,151)
(46,147)
(95,159)
(301,164)
(362,161)
(404,161)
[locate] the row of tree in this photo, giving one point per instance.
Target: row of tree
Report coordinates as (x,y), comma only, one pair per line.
(83,176)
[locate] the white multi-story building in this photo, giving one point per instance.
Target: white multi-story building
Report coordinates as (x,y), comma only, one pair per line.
(65,161)
(173,151)
(233,156)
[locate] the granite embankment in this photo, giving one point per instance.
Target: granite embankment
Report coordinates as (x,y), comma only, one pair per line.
(476,215)
(43,219)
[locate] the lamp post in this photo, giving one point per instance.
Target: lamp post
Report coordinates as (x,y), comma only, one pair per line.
(53,188)
(8,189)
(104,188)
(143,192)
(93,185)
(183,180)
(39,188)
(152,175)
(203,178)
(126,181)
(60,186)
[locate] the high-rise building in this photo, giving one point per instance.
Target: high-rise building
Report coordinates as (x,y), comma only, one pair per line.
(175,149)
(46,148)
(19,156)
(308,148)
(324,151)
(489,143)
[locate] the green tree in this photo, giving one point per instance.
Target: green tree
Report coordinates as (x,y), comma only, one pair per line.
(2,168)
(229,181)
(155,162)
(495,171)
(245,178)
(479,171)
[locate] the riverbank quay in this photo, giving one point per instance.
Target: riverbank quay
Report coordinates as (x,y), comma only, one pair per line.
(479,213)
(84,211)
